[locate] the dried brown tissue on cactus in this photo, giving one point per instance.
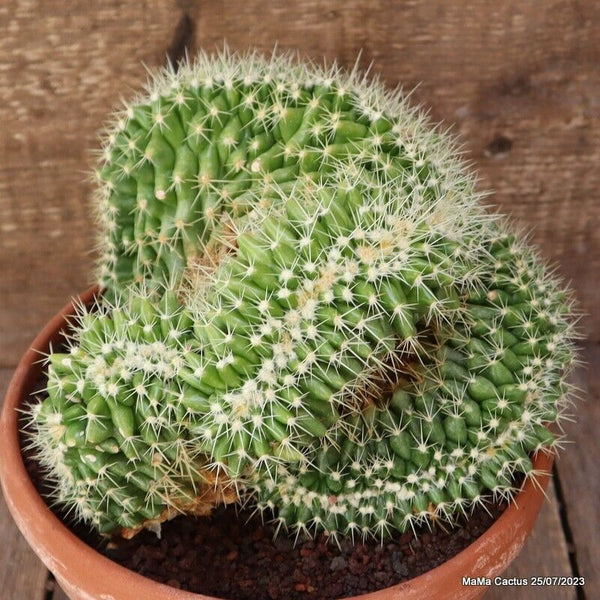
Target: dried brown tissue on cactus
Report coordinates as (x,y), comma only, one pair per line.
(306,301)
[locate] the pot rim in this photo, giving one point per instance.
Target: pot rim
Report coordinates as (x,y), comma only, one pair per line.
(57,546)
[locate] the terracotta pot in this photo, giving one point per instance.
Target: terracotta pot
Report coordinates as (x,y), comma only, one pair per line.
(84,574)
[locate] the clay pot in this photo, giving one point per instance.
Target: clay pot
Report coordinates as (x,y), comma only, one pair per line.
(84,574)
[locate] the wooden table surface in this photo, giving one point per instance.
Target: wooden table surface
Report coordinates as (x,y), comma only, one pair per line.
(518,81)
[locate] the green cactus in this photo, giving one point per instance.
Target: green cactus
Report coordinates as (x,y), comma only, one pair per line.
(361,347)
(465,422)
(113,430)
(329,291)
(205,140)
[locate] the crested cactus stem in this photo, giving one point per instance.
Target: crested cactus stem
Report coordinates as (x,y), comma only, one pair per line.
(308,308)
(193,146)
(112,432)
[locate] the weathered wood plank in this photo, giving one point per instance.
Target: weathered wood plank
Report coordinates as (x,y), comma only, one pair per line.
(54,263)
(544,553)
(60,76)
(579,473)
(58,594)
(518,80)
(22,574)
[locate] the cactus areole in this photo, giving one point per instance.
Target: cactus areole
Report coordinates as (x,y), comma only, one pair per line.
(307,309)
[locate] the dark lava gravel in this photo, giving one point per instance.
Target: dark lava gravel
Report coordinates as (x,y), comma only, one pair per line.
(233,555)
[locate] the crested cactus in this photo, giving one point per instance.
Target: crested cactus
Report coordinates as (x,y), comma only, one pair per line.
(326,296)
(348,338)
(205,140)
(462,421)
(112,432)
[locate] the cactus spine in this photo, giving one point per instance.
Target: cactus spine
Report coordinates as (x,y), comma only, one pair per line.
(113,431)
(205,140)
(466,422)
(361,347)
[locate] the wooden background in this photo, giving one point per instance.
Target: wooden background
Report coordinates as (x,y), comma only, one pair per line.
(518,81)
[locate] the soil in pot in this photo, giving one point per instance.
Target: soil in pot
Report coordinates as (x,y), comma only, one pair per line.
(234,555)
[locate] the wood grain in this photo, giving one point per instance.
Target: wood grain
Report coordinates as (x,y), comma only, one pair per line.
(58,594)
(519,81)
(64,66)
(22,575)
(544,553)
(579,472)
